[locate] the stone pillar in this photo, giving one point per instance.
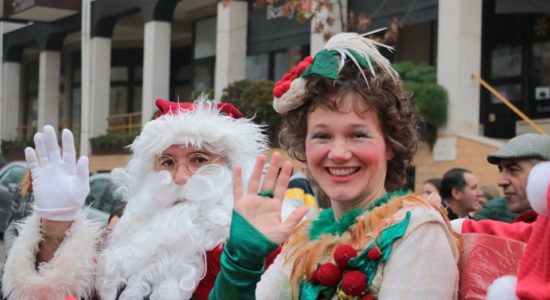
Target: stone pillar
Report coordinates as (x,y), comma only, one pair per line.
(458,57)
(156,66)
(11,100)
(100,83)
(230,45)
(49,74)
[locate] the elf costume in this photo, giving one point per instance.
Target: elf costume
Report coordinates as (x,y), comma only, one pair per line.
(400,247)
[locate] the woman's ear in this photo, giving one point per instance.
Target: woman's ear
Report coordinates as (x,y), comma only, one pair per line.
(389,152)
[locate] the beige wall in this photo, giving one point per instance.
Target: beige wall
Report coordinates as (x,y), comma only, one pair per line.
(105,163)
(470,154)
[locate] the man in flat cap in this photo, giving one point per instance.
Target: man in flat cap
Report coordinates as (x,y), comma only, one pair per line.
(515,160)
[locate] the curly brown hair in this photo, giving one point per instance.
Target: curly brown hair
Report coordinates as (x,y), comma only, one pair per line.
(399,121)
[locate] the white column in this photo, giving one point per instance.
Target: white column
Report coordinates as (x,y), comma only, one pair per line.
(458,57)
(9,106)
(49,74)
(100,80)
(230,45)
(339,14)
(156,66)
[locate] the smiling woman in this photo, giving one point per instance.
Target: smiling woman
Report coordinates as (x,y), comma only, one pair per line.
(349,118)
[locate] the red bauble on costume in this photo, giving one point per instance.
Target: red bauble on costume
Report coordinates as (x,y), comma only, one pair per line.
(374,253)
(329,274)
(343,254)
(354,283)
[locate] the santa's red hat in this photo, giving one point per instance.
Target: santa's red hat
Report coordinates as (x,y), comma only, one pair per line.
(534,274)
(218,127)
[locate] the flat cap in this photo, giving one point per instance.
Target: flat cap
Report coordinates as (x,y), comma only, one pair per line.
(528,145)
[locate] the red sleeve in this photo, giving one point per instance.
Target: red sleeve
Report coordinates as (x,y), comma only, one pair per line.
(212,269)
(518,231)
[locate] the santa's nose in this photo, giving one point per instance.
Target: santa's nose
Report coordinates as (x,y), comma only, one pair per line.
(181,174)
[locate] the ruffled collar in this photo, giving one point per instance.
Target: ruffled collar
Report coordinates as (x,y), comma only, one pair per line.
(326,223)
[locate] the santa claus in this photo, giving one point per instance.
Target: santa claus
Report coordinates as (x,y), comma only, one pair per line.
(167,244)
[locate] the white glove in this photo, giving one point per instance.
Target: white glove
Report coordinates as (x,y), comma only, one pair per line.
(60,185)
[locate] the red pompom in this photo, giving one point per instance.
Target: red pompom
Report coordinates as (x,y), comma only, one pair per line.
(313,278)
(302,66)
(285,86)
(368,297)
(343,254)
(329,274)
(294,70)
(309,59)
(354,283)
(277,91)
(374,253)
(285,77)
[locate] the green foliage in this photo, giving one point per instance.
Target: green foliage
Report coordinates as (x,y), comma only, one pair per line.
(233,92)
(112,142)
(19,143)
(254,100)
(196,93)
(430,98)
(115,139)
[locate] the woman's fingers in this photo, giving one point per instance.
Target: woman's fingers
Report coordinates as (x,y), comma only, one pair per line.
(237,184)
(282,181)
(295,217)
(256,177)
(272,172)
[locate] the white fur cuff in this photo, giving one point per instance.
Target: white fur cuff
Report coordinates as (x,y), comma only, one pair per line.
(71,270)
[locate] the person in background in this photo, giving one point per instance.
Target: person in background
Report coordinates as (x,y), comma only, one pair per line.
(431,186)
(460,192)
(348,117)
(23,202)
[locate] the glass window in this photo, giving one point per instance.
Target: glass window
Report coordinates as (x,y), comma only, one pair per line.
(118,100)
(136,103)
(541,70)
(257,67)
(205,38)
(511,92)
(119,74)
(281,64)
(506,62)
(203,76)
(76,75)
(184,73)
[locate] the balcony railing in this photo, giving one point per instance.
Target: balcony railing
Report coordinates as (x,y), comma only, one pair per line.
(124,123)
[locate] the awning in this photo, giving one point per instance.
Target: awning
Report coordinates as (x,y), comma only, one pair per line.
(522,6)
(407,12)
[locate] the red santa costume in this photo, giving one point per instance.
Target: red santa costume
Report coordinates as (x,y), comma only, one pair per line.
(167,244)
(533,278)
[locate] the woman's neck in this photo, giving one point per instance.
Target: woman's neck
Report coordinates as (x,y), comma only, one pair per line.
(360,202)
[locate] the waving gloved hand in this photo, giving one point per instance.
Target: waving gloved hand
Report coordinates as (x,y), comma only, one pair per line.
(60,184)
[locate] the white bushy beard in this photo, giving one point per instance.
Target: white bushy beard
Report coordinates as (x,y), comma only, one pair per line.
(158,247)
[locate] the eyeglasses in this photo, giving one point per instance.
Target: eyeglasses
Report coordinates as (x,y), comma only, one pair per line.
(193,162)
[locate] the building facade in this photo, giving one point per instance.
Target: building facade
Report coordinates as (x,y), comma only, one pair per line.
(97,66)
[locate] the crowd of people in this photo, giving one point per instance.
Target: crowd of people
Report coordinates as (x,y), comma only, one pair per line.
(206,218)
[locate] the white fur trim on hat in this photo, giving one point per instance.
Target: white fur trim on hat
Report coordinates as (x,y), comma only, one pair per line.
(537,187)
(239,140)
(293,98)
(70,271)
